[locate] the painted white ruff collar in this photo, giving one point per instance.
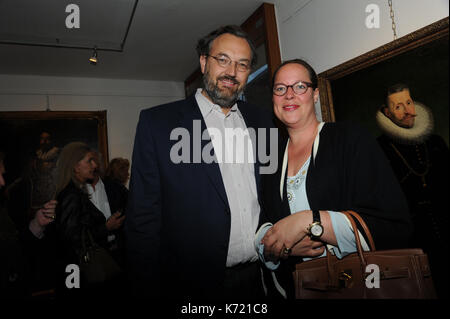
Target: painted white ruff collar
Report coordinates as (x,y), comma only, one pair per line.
(423,126)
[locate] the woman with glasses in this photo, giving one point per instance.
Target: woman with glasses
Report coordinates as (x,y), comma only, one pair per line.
(324,169)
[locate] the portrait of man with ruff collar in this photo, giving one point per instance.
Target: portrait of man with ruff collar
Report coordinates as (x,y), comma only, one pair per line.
(420,160)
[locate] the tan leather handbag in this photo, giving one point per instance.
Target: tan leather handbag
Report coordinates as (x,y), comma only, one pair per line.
(384,274)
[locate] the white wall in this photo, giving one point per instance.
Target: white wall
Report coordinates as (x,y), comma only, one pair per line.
(324,32)
(327,33)
(122,99)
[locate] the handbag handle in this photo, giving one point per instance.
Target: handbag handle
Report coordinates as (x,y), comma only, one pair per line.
(363,225)
(349,215)
(332,276)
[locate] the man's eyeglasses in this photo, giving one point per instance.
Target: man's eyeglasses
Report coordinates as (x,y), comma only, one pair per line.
(224,61)
(298,88)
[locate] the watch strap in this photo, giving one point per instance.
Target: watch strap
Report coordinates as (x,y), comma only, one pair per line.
(316,216)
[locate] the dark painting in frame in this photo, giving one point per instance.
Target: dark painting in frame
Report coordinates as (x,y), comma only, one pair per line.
(20,133)
(356,89)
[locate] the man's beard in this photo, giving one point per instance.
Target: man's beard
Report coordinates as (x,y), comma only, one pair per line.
(221,98)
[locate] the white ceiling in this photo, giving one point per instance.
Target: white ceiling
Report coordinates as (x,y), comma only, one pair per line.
(160,44)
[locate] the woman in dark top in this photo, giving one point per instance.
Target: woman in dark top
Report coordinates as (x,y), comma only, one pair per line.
(76,165)
(324,169)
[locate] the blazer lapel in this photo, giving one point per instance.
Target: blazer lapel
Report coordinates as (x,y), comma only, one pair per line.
(192,113)
(250,122)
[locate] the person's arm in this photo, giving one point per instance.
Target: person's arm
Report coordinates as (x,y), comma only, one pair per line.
(259,247)
(345,237)
(42,218)
(289,231)
(143,222)
(337,233)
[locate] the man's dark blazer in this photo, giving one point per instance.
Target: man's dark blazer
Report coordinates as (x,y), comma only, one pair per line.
(117,195)
(178,217)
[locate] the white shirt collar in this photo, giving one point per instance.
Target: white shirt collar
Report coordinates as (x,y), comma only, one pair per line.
(207,107)
(99,186)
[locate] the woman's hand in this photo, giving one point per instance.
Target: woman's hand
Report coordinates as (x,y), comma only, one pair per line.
(46,214)
(115,221)
(289,237)
(286,233)
(308,247)
(42,218)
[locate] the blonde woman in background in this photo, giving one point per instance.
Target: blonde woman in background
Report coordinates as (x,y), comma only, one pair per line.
(76,166)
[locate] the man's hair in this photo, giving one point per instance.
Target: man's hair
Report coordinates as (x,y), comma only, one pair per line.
(117,165)
(2,156)
(398,87)
(312,74)
(204,44)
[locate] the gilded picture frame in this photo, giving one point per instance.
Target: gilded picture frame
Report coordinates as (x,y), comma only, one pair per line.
(356,89)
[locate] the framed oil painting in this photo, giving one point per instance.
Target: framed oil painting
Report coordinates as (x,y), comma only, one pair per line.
(356,89)
(42,134)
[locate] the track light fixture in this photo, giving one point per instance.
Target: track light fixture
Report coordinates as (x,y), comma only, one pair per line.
(93,59)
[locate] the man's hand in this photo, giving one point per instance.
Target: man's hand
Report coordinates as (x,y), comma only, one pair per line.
(115,221)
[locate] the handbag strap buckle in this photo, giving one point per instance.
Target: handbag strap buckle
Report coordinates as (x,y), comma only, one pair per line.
(345,278)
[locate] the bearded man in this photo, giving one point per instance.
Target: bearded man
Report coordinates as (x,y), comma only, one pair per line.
(419,159)
(191,222)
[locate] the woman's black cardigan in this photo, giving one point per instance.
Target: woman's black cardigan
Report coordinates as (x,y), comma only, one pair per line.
(349,172)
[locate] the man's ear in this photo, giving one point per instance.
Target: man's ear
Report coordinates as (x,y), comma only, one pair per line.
(386,111)
(203,63)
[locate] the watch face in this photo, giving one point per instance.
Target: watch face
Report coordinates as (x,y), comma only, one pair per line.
(316,230)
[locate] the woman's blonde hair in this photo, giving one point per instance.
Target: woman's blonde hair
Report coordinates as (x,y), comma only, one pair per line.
(71,154)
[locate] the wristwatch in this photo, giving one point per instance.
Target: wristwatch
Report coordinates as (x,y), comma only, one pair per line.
(315,230)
